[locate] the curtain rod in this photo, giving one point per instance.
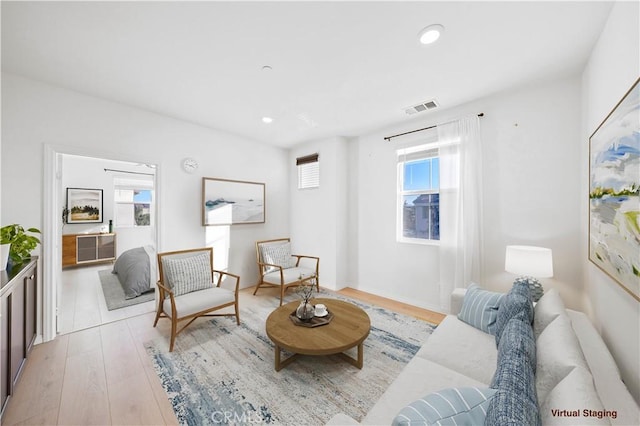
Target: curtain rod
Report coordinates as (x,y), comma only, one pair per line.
(126,171)
(388,138)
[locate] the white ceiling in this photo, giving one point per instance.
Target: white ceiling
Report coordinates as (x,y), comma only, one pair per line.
(338,68)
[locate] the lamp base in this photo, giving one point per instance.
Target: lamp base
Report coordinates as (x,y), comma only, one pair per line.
(535,288)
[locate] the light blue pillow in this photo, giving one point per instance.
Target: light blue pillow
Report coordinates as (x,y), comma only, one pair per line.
(480,308)
(452,406)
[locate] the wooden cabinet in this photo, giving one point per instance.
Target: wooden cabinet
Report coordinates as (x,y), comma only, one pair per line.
(18,323)
(78,249)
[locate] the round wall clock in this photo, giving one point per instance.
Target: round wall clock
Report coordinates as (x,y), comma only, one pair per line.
(189,165)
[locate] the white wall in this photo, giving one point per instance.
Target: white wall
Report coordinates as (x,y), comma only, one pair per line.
(613,68)
(531,179)
(35,114)
(319,215)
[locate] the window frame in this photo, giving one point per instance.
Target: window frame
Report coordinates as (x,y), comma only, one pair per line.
(404,156)
(308,168)
(121,184)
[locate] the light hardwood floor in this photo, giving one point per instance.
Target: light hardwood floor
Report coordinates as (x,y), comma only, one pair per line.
(82,303)
(103,375)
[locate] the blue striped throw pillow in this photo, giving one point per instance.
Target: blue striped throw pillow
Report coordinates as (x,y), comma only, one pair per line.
(452,406)
(480,308)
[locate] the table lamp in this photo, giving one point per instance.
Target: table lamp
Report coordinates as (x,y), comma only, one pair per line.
(530,263)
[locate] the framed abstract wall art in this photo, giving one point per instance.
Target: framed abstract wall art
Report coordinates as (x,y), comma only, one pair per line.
(84,205)
(614,193)
(232,202)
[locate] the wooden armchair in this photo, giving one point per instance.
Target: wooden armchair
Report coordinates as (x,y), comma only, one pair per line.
(277,267)
(187,289)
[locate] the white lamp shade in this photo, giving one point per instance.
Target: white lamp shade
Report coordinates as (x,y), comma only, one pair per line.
(530,261)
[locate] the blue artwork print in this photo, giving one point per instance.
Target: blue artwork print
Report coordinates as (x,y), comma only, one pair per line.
(614,194)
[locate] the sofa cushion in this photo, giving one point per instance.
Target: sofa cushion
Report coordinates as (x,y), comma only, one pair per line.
(277,254)
(558,353)
(480,308)
(573,401)
(548,308)
(458,406)
(606,377)
(515,402)
(517,302)
(188,273)
(451,344)
(418,378)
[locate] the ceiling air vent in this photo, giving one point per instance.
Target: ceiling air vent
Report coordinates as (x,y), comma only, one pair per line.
(425,106)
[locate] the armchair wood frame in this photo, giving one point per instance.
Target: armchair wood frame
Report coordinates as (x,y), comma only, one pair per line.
(164,291)
(263,270)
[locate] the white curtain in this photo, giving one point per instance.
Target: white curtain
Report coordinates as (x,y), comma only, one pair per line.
(460,205)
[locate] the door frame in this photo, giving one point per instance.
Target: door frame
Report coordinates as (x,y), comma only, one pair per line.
(52,231)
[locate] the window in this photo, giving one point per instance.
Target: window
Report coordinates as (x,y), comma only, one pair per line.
(308,171)
(133,202)
(418,195)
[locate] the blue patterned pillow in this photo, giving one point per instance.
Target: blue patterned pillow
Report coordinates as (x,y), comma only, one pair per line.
(515,401)
(517,302)
(480,308)
(187,274)
(458,406)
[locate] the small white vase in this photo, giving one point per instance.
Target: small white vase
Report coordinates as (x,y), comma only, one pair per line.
(4,256)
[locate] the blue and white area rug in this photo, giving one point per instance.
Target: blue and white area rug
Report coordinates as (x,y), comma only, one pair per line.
(222,373)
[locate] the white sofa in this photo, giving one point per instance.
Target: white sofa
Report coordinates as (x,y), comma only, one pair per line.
(575,370)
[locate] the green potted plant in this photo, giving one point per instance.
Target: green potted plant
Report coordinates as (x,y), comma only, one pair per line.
(20,243)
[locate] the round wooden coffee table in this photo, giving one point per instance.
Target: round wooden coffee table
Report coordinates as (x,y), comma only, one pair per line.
(349,328)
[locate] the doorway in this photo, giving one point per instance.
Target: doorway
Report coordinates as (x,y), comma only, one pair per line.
(73,297)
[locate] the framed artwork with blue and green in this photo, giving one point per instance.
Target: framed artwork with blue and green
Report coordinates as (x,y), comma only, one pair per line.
(614,193)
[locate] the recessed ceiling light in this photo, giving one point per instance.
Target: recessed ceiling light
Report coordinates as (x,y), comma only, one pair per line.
(430,34)
(267,120)
(267,68)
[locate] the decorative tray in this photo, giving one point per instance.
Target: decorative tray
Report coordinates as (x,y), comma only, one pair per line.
(313,322)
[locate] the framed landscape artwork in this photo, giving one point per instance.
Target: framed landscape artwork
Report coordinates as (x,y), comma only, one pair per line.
(84,205)
(614,193)
(232,202)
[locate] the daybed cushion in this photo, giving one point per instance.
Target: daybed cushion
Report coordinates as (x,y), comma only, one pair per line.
(558,353)
(575,394)
(458,406)
(606,377)
(134,272)
(516,303)
(451,345)
(515,402)
(480,308)
(419,378)
(189,273)
(290,275)
(277,253)
(548,308)
(198,301)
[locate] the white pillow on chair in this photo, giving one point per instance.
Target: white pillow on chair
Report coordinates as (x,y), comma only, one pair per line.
(188,274)
(278,254)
